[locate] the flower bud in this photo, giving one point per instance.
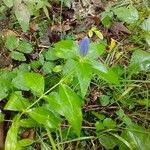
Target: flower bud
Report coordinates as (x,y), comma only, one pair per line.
(84,46)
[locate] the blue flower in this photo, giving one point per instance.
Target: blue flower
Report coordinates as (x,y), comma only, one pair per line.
(84,46)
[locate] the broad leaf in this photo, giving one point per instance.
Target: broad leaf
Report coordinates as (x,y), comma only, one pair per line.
(127,14)
(16,102)
(146,24)
(8,3)
(105,73)
(137,136)
(108,141)
(25,47)
(65,49)
(17,56)
(11,42)
(35,82)
(84,74)
(23,15)
(140,61)
(25,142)
(11,138)
(71,107)
(43,115)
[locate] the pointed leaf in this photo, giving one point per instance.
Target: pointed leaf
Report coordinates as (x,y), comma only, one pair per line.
(11,138)
(16,102)
(43,115)
(35,82)
(71,107)
(105,73)
(84,74)
(23,15)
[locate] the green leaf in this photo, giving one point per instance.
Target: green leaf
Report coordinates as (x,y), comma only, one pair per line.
(2,117)
(71,107)
(105,73)
(11,138)
(99,126)
(96,49)
(17,56)
(23,16)
(4,86)
(19,82)
(140,61)
(17,102)
(54,102)
(50,54)
(35,82)
(28,123)
(84,74)
(8,3)
(58,68)
(48,67)
(108,141)
(127,14)
(25,47)
(65,49)
(11,42)
(146,24)
(43,115)
(147,37)
(25,142)
(137,136)
(109,123)
(104,100)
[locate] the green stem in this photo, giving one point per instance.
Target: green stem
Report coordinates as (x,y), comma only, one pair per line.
(51,139)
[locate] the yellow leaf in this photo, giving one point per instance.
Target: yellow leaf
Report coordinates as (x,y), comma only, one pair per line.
(90,33)
(94,29)
(99,34)
(112,44)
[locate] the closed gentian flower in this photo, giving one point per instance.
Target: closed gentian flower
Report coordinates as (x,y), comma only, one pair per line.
(84,46)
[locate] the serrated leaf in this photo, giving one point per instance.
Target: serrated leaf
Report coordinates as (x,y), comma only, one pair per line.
(140,61)
(35,82)
(25,47)
(19,83)
(23,16)
(16,102)
(17,56)
(43,115)
(11,42)
(11,138)
(127,14)
(8,3)
(84,74)
(71,107)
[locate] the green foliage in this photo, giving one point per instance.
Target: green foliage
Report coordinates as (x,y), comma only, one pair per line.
(127,14)
(35,82)
(140,61)
(43,115)
(17,102)
(71,107)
